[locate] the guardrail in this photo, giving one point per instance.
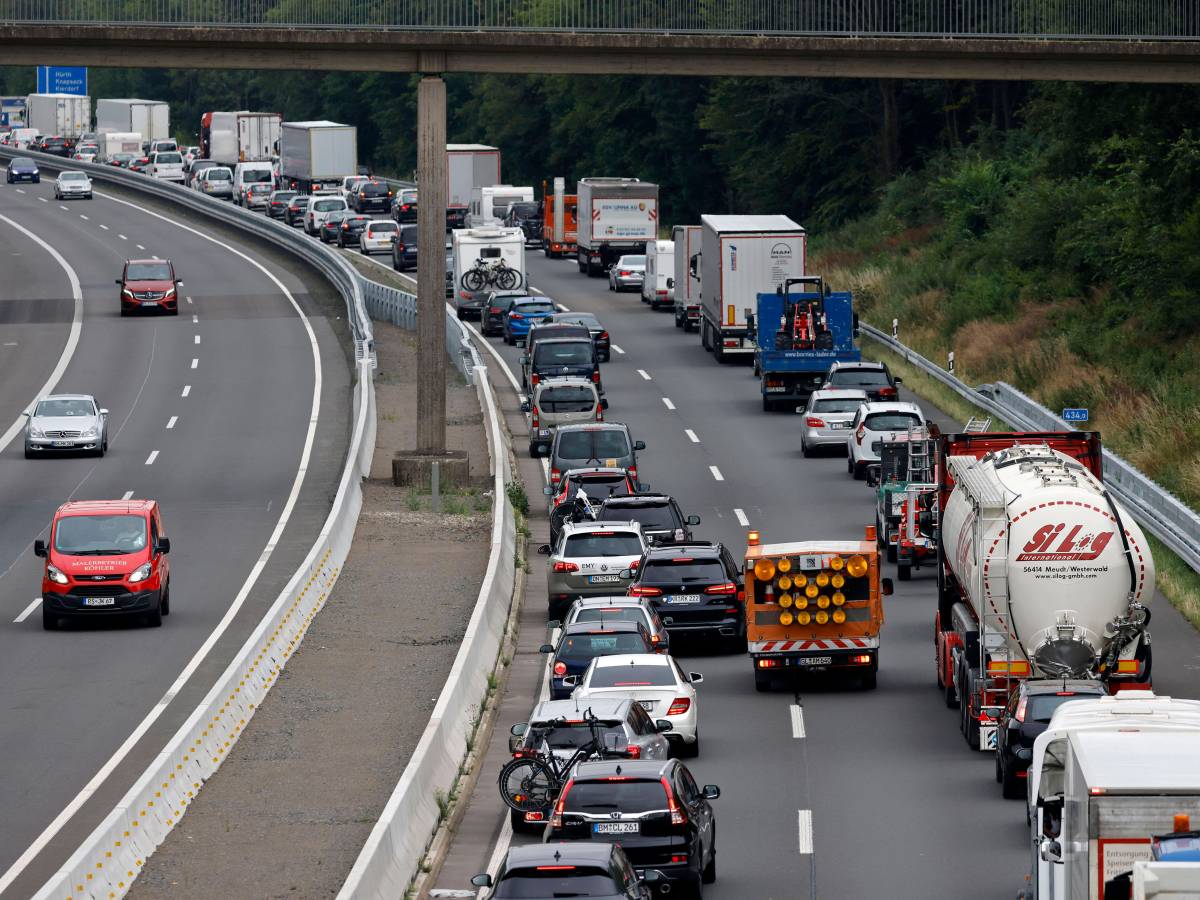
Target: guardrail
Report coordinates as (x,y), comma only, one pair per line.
(1156,509)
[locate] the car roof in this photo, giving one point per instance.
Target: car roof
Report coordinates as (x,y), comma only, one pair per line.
(130,262)
(592,426)
(635,768)
(600,706)
(595,627)
(68,397)
(633,659)
(892,406)
(873,366)
(566,853)
(685,547)
(1053,686)
(589,527)
(581,471)
(640,500)
(91,507)
(839,394)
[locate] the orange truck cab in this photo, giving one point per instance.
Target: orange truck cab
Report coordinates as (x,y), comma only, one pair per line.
(105,558)
(814,606)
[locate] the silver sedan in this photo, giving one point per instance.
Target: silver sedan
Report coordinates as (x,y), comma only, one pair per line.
(627,274)
(66,422)
(72,184)
(827,418)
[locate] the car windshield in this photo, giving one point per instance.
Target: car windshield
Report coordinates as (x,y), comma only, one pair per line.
(625,796)
(632,261)
(100,535)
(282,196)
(586,646)
(567,399)
(535,308)
(152,271)
(219,175)
(1042,706)
(606,444)
(570,736)
(859,378)
(683,570)
(838,406)
(256,176)
(603,543)
(72,176)
(299,200)
(647,515)
(534,883)
(550,354)
(59,407)
(328,205)
(632,676)
(891,421)
(167,159)
(611,614)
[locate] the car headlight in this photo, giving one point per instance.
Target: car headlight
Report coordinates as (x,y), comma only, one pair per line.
(141,573)
(36,432)
(90,431)
(55,575)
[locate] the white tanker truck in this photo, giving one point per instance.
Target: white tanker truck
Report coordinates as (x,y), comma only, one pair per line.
(1041,573)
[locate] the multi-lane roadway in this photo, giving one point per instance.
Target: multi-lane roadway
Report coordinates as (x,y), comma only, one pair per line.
(234,415)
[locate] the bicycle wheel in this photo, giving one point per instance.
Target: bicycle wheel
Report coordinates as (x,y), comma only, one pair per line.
(527,784)
(506,279)
(473,280)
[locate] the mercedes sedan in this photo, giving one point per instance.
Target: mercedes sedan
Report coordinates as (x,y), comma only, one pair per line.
(72,184)
(66,422)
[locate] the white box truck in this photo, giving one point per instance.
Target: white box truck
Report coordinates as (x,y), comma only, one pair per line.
(687,276)
(59,115)
(468,166)
(658,284)
(616,216)
(741,257)
(235,137)
(477,255)
(490,203)
(316,156)
(149,118)
(113,142)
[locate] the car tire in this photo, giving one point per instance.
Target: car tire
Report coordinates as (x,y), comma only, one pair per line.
(49,619)
(904,571)
(709,874)
(166,600)
(690,751)
(1011,787)
(606,357)
(29,454)
(891,551)
(154,618)
(999,770)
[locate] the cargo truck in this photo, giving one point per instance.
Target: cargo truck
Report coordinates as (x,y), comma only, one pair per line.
(618,216)
(559,229)
(799,330)
(233,137)
(316,156)
(740,258)
(59,115)
(1041,572)
(687,276)
(468,167)
(814,606)
(113,142)
(149,118)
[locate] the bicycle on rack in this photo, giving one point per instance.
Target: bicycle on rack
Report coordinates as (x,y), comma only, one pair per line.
(499,275)
(532,780)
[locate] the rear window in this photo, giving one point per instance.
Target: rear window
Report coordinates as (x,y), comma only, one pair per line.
(328,205)
(534,883)
(374,190)
(1042,706)
(167,159)
(219,175)
(632,261)
(256,176)
(383,226)
(616,796)
(408,197)
(603,543)
(891,421)
(611,614)
(695,571)
(536,308)
(600,487)
(586,646)
(567,399)
(524,209)
(596,445)
(859,378)
(837,406)
(570,737)
(632,676)
(585,319)
(647,516)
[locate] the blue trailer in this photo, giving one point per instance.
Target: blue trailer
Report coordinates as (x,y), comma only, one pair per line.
(801,329)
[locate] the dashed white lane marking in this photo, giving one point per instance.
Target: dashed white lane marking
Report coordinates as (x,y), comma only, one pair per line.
(171,421)
(197,339)
(140,247)
(85,218)
(152,457)
(797,721)
(189,299)
(691,435)
(644,374)
(20,190)
(105,227)
(716,473)
(618,349)
(195,363)
(128,495)
(43,199)
(667,403)
(741,517)
(25,613)
(187,389)
(60,206)
(806,837)
(122,237)
(195,319)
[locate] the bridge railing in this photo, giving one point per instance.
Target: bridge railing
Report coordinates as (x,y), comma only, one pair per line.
(1071,19)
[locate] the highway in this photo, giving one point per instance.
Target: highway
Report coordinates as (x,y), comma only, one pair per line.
(234,415)
(827,792)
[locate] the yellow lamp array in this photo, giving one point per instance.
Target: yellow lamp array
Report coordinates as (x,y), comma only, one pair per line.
(796,591)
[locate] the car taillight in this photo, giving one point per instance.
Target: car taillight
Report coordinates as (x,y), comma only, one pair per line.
(561,566)
(624,273)
(560,669)
(405,208)
(534,379)
(556,816)
(596,375)
(603,336)
(678,816)
(729,588)
(1020,716)
(599,413)
(534,420)
(814,422)
(345,228)
(633,472)
(679,706)
(633,751)
(860,434)
(887,392)
(495,310)
(638,591)
(661,293)
(515,315)
(555,474)
(462,294)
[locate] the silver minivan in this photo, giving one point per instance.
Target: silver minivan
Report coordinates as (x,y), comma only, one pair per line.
(560,401)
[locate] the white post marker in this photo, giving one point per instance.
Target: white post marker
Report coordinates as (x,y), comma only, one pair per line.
(895,329)
(950,362)
(797,713)
(806,835)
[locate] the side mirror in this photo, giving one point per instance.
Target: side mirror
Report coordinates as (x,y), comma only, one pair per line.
(553,623)
(639,445)
(604,403)
(548,491)
(39,548)
(519,729)
(625,574)
(886,587)
(898,380)
(483,880)
(711,792)
(693,520)
(663,726)
(526,406)
(163,545)
(104,412)
(670,283)
(546,648)
(695,678)
(117,281)
(1050,851)
(524,359)
(570,680)
(543,550)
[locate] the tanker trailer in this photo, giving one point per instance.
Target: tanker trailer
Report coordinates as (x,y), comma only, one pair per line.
(1041,573)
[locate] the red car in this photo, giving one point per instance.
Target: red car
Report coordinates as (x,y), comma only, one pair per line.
(149,285)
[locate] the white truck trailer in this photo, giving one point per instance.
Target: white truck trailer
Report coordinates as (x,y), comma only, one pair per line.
(687,276)
(617,216)
(316,156)
(235,137)
(60,115)
(468,167)
(114,142)
(490,203)
(658,284)
(740,258)
(149,118)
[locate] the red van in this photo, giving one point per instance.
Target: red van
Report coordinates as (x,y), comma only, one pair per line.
(105,558)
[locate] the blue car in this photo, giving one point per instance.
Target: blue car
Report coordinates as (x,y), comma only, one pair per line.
(22,169)
(524,312)
(582,642)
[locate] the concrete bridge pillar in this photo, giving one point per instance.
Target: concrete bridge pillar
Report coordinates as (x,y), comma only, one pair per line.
(431,273)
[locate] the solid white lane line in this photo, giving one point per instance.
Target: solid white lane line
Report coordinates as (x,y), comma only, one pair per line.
(37,601)
(72,336)
(187,389)
(797,721)
(195,362)
(667,403)
(171,421)
(152,457)
(105,227)
(691,435)
(716,473)
(128,495)
(644,374)
(620,352)
(741,517)
(197,339)
(806,836)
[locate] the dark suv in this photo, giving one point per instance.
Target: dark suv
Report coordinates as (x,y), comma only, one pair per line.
(602,444)
(659,515)
(558,357)
(539,872)
(655,810)
(529,217)
(369,195)
(58,146)
(874,378)
(696,588)
(1025,717)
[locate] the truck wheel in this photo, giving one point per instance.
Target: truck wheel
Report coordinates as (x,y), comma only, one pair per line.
(891,550)
(718,346)
(579,262)
(869,680)
(949,695)
(762,682)
(970,723)
(904,571)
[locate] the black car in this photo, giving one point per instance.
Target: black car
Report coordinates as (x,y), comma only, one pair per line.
(558,357)
(331,227)
(542,872)
(874,378)
(696,588)
(655,810)
(582,642)
(1025,717)
(530,218)
(278,202)
(456,217)
(293,214)
(599,334)
(56,146)
(404,248)
(662,520)
(404,207)
(352,227)
(23,169)
(369,195)
(495,310)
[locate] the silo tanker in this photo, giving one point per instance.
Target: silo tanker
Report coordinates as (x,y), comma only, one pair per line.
(1041,573)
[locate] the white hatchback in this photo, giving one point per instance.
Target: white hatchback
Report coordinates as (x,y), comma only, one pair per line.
(656,682)
(876,422)
(379,235)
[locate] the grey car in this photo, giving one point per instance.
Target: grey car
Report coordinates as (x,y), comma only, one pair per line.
(66,423)
(560,401)
(627,274)
(827,419)
(588,561)
(600,444)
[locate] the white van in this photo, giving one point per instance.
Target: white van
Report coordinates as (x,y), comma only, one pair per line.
(248,173)
(21,137)
(164,146)
(658,284)
(166,165)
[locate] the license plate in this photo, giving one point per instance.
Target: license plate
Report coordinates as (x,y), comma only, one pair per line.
(149,303)
(648,704)
(777,390)
(99,601)
(62,443)
(615,828)
(683,598)
(839,424)
(816,660)
(604,579)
